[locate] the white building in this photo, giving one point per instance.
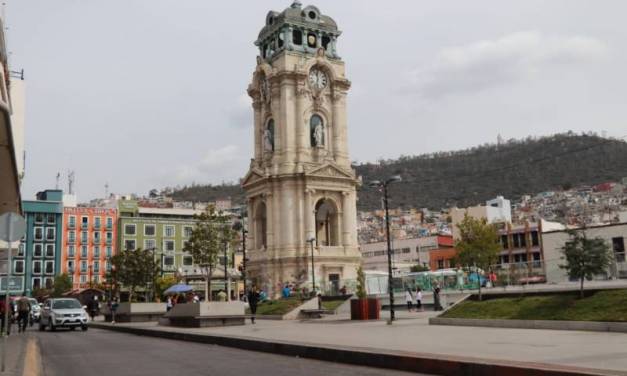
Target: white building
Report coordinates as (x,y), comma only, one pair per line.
(498,210)
(405,254)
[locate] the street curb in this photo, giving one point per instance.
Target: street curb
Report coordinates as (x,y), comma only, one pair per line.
(590,326)
(435,364)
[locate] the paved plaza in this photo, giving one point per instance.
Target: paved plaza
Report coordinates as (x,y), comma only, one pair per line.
(411,333)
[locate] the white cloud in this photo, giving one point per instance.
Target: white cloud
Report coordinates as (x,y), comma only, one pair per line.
(217,165)
(490,63)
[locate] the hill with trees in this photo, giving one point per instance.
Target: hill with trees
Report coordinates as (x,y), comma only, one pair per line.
(472,176)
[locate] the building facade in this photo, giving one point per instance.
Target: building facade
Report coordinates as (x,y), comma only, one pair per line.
(405,254)
(300,186)
(89,241)
(39,255)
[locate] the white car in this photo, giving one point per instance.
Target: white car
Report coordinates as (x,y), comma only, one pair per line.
(63,313)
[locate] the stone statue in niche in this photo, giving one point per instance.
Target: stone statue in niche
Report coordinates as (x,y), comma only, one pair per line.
(318,135)
(268,139)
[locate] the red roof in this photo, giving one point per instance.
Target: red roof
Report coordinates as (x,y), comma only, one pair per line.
(445,240)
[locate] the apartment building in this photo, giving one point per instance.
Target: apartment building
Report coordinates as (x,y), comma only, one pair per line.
(405,254)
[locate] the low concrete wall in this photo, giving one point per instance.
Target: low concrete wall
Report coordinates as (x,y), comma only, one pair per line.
(295,313)
(592,326)
(206,309)
(435,364)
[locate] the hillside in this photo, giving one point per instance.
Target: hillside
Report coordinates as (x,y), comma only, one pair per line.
(471,176)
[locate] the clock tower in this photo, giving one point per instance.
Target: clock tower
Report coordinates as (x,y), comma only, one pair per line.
(300,188)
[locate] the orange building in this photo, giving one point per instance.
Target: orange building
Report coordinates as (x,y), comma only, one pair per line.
(89,241)
(442,257)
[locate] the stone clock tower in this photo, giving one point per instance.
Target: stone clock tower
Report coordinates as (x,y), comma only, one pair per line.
(300,185)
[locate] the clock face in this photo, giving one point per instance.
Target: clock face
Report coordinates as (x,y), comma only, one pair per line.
(317,79)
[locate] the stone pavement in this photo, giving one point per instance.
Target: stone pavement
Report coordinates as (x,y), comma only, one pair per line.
(412,334)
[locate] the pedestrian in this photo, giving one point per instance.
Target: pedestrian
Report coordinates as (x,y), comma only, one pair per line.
(113,306)
(436,298)
(3,316)
(196,298)
(168,304)
(343,290)
(253,299)
(409,299)
(93,307)
(23,313)
(418,298)
(286,291)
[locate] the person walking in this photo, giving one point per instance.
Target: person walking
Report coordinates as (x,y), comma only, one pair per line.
(3,310)
(23,313)
(418,298)
(436,298)
(168,304)
(253,299)
(113,306)
(93,307)
(409,299)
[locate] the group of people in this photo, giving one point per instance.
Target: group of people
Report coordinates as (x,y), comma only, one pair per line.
(21,308)
(173,300)
(412,299)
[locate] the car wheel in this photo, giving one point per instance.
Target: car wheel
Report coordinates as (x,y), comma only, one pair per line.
(84,328)
(51,326)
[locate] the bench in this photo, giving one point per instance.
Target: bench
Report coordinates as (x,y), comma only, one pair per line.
(312,313)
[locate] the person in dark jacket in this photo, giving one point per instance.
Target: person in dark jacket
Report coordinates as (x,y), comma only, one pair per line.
(253,299)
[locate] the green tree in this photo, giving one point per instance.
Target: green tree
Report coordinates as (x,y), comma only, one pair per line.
(134,269)
(478,244)
(164,283)
(418,268)
(361,283)
(61,284)
(211,233)
(585,257)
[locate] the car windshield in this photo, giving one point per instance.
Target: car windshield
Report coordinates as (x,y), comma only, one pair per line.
(66,304)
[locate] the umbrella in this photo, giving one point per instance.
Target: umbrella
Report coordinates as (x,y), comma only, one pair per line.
(179,288)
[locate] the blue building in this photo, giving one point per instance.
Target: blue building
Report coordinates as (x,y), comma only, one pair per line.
(39,257)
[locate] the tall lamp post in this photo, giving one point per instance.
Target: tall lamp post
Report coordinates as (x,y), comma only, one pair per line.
(226,275)
(241,226)
(384,186)
(313,275)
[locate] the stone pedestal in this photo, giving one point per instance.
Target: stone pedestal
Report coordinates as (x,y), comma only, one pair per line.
(196,315)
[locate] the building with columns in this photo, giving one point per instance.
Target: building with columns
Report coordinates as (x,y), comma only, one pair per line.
(300,184)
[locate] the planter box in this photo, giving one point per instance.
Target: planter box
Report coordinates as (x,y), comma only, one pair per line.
(136,312)
(205,314)
(365,309)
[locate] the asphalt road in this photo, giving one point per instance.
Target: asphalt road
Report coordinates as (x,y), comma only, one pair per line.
(101,352)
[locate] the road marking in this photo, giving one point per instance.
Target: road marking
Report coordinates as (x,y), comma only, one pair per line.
(32,359)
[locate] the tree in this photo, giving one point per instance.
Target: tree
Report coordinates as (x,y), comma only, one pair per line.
(418,268)
(361,283)
(164,283)
(61,284)
(210,234)
(585,257)
(134,268)
(478,244)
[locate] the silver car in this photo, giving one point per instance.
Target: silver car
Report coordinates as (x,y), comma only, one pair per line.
(63,313)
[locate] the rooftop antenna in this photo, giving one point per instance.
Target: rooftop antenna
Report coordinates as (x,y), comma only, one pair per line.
(58,178)
(70,182)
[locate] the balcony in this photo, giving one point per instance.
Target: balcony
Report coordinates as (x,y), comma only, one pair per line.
(84,225)
(109,226)
(71,225)
(97,226)
(71,240)
(108,241)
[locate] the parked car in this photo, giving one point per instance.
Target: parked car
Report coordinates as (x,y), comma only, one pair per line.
(35,311)
(63,313)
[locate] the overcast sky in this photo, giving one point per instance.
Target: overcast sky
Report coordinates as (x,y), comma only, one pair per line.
(148,94)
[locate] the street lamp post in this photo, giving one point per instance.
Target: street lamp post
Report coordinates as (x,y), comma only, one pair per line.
(384,185)
(241,226)
(226,276)
(313,273)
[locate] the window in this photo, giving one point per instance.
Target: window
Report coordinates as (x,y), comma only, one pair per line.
(504,242)
(325,42)
(70,266)
(39,218)
(72,221)
(168,231)
(96,278)
(129,244)
(109,237)
(523,240)
(50,233)
(49,250)
(297,37)
(97,222)
(83,266)
(96,252)
(150,244)
(84,251)
(109,222)
(187,231)
(441,264)
(96,266)
(149,230)
(36,283)
(406,250)
(52,219)
(188,260)
(20,250)
(18,266)
(48,282)
(84,237)
(49,267)
(168,261)
(38,233)
(97,237)
(83,278)
(168,245)
(70,251)
(109,252)
(72,237)
(618,245)
(535,240)
(129,229)
(84,222)
(37,267)
(316,129)
(38,250)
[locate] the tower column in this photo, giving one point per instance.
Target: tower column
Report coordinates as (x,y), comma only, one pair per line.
(309,214)
(346,219)
(258,129)
(338,123)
